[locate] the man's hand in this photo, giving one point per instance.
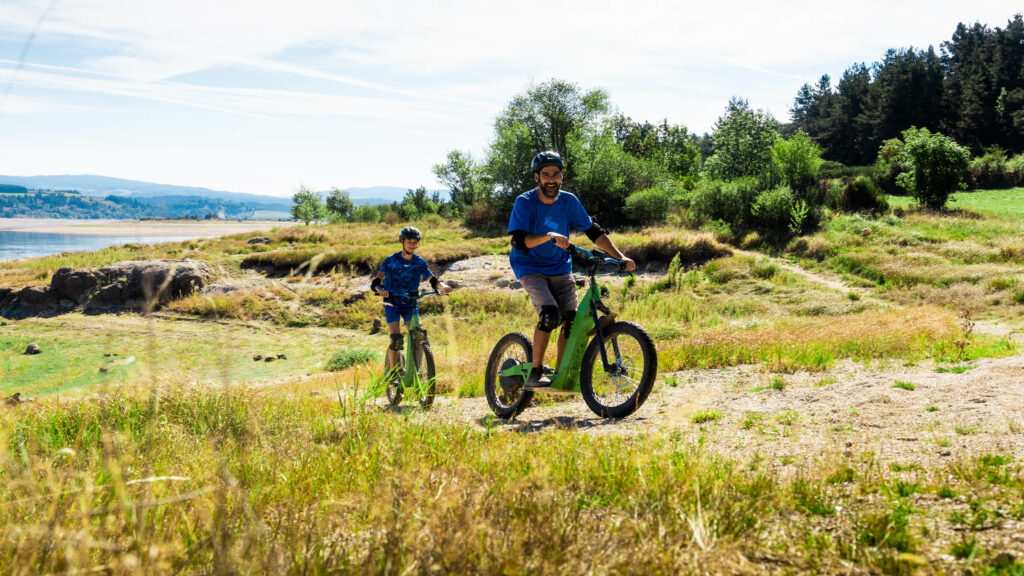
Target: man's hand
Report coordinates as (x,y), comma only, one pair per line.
(445,288)
(383,293)
(559,240)
(630,265)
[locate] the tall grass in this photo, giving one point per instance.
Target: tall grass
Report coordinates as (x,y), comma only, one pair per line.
(237,481)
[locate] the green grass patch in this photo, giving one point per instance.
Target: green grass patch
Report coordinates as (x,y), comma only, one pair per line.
(704,416)
(348,357)
(903,385)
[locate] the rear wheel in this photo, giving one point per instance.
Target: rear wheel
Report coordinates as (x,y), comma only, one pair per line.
(508,395)
(619,391)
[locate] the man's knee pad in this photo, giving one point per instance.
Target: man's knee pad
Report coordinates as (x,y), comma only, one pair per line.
(549,318)
(396,342)
(567,322)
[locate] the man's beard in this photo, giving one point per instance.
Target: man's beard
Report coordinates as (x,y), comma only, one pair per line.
(550,190)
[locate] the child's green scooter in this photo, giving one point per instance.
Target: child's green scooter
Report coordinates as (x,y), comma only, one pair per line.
(419,383)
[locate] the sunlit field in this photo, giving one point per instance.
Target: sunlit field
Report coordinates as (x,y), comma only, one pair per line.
(159,443)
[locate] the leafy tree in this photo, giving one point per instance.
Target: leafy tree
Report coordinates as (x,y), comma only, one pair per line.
(464,178)
(550,112)
(669,146)
(936,166)
(743,141)
(339,204)
(307,206)
(798,160)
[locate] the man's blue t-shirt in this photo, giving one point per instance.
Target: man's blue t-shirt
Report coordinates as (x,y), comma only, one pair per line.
(404,276)
(535,217)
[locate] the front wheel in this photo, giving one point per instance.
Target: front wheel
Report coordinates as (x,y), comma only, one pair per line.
(507,395)
(394,377)
(425,369)
(633,360)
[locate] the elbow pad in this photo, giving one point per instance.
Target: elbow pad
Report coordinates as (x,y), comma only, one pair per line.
(433,282)
(595,232)
(519,240)
(375,284)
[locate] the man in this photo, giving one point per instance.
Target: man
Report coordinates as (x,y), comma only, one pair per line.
(540,225)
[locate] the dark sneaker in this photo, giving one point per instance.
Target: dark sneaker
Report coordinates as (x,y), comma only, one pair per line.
(538,380)
(548,370)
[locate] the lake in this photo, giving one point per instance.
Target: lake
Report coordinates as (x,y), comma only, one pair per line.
(17,244)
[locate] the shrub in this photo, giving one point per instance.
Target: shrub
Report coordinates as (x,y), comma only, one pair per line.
(772,211)
(798,160)
(861,195)
(365,213)
(480,216)
(988,170)
(648,206)
(937,166)
(725,201)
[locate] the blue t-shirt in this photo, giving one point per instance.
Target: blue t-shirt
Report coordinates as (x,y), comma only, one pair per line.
(403,276)
(535,217)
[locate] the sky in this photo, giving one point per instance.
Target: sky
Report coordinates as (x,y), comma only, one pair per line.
(264,96)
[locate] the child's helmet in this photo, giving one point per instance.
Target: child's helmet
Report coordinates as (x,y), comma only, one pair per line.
(547,158)
(409,233)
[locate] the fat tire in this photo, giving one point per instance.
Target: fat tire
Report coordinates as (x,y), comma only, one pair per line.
(427,375)
(593,355)
(491,384)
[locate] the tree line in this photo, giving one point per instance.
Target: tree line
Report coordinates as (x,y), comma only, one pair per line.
(910,123)
(972,90)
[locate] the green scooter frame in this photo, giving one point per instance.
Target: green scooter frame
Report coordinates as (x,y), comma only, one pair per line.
(411,383)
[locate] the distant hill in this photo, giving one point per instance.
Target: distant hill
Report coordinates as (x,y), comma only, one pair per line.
(380,194)
(107,186)
(160,199)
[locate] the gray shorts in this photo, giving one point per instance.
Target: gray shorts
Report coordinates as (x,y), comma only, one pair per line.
(551,291)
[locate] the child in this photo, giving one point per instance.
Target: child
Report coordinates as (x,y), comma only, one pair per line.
(400,274)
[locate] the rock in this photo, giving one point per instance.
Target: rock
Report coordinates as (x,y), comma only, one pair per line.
(218,289)
(257,358)
(74,285)
(478,263)
(36,298)
(13,400)
(282,357)
(106,354)
(502,283)
(359,294)
(263,240)
(515,285)
(377,326)
(269,359)
(131,284)
(32,349)
(103,370)
(455,283)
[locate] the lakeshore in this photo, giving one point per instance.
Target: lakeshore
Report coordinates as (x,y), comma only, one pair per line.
(176,228)
(34,237)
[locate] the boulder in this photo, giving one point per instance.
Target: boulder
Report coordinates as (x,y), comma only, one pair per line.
(74,285)
(32,349)
(126,285)
(36,299)
(262,240)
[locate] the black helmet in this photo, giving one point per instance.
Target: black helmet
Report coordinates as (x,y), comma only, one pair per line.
(546,158)
(409,233)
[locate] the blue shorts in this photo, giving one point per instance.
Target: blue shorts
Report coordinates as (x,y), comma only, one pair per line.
(395,311)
